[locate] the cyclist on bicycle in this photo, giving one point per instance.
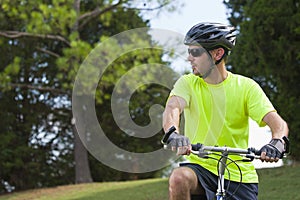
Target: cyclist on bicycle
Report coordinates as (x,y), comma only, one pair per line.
(217,105)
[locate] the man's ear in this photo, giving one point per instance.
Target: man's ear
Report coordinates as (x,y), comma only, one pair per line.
(219,52)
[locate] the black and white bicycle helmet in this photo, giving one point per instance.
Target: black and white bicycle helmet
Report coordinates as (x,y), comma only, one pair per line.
(211,36)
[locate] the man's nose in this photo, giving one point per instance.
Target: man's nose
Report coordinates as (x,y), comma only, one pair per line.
(190,57)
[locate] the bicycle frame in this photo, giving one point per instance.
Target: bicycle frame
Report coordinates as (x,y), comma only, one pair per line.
(221,190)
(202,151)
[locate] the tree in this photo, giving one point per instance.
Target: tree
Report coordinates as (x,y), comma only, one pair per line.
(267,50)
(42,46)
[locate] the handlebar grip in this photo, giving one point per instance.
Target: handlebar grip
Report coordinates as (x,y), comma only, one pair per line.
(167,135)
(196,147)
(255,151)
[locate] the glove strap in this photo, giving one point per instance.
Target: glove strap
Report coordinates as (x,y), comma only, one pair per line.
(167,135)
(278,144)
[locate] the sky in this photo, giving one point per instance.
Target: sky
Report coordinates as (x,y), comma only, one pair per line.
(181,21)
(193,12)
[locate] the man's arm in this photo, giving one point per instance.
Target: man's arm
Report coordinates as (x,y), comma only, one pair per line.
(279,128)
(277,125)
(171,115)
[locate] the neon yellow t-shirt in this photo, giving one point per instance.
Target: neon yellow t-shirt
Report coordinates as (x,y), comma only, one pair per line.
(219,115)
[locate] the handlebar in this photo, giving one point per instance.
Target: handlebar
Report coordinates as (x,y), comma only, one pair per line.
(203,151)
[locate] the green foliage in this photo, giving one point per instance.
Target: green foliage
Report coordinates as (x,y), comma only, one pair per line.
(11,70)
(268,50)
(42,45)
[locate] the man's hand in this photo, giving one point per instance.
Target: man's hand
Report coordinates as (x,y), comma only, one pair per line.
(273,151)
(179,143)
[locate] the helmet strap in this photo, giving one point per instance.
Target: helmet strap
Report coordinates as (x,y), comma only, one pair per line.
(211,67)
(208,72)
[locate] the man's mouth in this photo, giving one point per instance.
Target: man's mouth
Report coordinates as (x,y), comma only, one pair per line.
(194,67)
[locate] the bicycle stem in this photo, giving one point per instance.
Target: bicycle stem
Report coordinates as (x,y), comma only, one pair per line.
(221,172)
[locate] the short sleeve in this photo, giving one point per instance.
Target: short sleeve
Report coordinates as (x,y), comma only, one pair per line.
(181,88)
(258,104)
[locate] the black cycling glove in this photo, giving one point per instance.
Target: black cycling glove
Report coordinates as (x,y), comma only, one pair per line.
(275,149)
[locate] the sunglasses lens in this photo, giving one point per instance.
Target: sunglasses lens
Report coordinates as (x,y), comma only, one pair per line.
(196,52)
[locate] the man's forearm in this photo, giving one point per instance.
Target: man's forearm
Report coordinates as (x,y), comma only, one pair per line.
(171,117)
(278,126)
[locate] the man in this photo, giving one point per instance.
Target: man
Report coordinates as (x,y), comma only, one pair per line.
(217,105)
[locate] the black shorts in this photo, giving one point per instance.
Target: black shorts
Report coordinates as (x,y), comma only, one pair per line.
(209,182)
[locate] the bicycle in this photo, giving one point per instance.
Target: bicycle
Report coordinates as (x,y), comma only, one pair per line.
(203,151)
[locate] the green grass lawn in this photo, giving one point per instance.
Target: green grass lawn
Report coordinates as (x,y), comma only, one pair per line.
(277,183)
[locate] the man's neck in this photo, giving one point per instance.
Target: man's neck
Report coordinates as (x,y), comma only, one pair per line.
(218,74)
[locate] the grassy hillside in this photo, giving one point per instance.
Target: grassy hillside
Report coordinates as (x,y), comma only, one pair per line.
(277,183)
(154,189)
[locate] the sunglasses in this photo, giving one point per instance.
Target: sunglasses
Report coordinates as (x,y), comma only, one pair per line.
(197,52)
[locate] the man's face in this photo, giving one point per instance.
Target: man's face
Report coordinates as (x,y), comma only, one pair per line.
(200,60)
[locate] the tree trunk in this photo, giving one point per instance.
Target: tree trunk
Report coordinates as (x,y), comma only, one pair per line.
(82,168)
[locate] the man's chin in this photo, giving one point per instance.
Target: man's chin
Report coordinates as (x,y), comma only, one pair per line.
(196,73)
